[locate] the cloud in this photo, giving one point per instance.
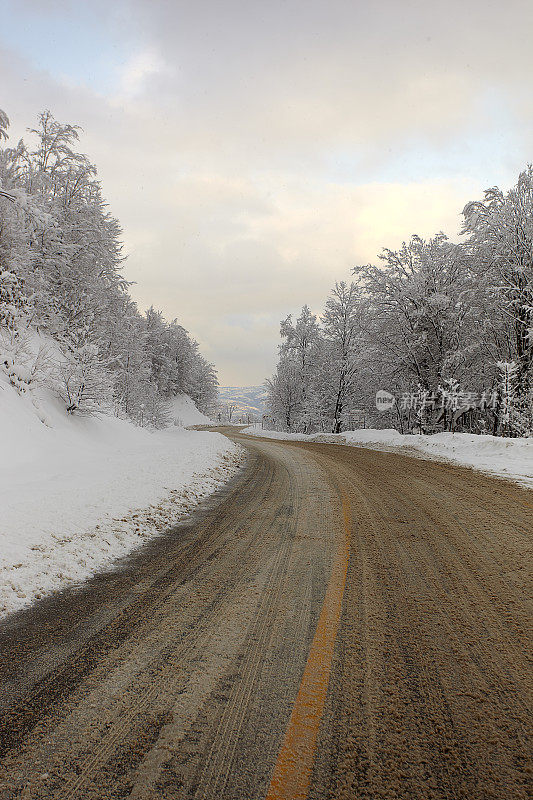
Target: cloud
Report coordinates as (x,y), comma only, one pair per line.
(254,151)
(252,263)
(134,74)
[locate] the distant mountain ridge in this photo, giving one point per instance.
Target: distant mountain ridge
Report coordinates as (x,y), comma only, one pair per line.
(246,399)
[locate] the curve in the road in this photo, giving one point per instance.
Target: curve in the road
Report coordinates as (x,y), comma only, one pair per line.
(336,623)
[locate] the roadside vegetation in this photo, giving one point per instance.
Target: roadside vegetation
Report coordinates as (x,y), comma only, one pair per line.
(60,276)
(444,328)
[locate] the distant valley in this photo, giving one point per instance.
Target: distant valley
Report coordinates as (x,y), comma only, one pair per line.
(245,399)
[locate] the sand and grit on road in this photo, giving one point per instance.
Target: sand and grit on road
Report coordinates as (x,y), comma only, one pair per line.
(335,623)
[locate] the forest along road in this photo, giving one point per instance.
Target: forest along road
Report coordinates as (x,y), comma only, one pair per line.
(337,623)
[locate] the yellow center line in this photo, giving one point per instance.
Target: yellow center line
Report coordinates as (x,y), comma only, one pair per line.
(291,778)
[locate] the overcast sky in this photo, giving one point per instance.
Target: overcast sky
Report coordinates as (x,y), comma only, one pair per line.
(254,151)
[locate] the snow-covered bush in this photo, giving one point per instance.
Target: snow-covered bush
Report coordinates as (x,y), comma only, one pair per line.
(84,385)
(27,366)
(153,411)
(515,412)
(12,298)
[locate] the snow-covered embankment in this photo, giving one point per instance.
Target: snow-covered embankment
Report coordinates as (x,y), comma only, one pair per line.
(494,455)
(77,493)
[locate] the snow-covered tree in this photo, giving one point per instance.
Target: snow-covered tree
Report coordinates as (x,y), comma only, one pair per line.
(300,347)
(441,326)
(4,125)
(341,323)
(84,384)
(500,246)
(284,393)
(60,261)
(515,413)
(422,295)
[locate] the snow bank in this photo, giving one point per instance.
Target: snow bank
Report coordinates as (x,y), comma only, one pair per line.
(76,493)
(509,458)
(184,412)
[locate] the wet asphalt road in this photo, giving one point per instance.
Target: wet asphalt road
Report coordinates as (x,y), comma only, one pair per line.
(336,623)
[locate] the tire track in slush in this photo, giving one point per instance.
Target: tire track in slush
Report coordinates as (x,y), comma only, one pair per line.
(143,698)
(130,624)
(291,778)
(420,677)
(434,595)
(84,766)
(220,758)
(354,621)
(171,677)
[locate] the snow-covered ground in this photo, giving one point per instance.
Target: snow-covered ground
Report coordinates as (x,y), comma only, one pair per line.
(508,458)
(76,493)
(184,412)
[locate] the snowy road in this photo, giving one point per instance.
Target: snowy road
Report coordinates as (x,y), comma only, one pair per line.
(336,623)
